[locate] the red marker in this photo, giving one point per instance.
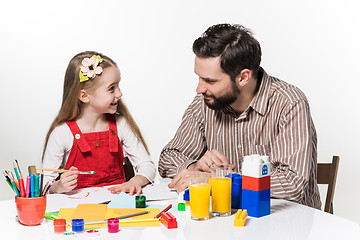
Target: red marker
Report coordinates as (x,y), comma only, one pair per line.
(22,187)
(165,209)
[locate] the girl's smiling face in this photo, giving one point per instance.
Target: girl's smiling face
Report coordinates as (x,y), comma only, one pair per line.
(106,94)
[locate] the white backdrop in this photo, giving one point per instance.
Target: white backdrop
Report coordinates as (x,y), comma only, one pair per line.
(311,44)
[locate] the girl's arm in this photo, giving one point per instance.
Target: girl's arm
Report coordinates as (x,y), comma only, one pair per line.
(139,158)
(135,151)
(56,153)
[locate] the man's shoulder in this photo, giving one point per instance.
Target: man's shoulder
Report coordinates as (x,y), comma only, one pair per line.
(286,91)
(197,104)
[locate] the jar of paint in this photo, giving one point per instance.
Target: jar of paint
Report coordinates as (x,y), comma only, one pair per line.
(113,225)
(77,225)
(59,225)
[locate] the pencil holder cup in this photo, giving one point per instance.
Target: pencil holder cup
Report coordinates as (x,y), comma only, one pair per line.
(31,211)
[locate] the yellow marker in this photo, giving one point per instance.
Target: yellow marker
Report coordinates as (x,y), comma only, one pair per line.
(241,217)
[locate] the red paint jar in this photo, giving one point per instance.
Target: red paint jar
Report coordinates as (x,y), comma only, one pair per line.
(59,225)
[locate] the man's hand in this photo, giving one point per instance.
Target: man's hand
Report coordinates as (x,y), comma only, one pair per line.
(181,181)
(209,158)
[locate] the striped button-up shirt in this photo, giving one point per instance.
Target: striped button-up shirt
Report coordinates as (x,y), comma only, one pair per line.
(277,123)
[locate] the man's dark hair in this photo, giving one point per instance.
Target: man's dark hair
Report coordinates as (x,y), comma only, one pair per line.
(235,45)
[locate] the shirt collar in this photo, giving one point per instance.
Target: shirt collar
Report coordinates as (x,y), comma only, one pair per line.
(259,102)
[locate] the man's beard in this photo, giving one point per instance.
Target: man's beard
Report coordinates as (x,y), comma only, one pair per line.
(224,100)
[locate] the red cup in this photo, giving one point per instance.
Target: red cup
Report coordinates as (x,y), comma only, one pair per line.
(31,211)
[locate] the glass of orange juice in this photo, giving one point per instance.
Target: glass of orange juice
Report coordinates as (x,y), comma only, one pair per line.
(221,190)
(199,196)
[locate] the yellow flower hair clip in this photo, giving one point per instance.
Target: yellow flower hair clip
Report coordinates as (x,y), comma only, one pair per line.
(89,68)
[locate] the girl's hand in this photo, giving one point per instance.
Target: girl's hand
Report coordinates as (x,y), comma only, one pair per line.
(132,187)
(67,181)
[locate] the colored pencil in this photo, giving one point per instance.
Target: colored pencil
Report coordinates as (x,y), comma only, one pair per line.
(47,189)
(132,215)
(8,181)
(44,189)
(164,210)
(19,169)
(41,183)
(9,173)
(14,185)
(128,221)
(16,172)
(140,220)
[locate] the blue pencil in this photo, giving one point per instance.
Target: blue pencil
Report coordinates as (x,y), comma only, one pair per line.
(47,189)
(8,180)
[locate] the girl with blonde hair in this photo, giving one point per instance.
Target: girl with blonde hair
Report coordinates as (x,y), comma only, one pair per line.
(92,130)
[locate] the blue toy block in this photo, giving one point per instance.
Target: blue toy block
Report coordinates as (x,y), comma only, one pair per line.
(257,203)
(236,189)
(187,195)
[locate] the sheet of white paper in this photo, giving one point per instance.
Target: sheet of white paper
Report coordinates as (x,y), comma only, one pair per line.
(81,196)
(159,191)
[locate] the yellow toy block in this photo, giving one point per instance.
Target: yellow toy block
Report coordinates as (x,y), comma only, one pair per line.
(241,218)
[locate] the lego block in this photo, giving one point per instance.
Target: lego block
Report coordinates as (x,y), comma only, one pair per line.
(241,218)
(140,201)
(256,184)
(257,203)
(181,207)
(236,189)
(187,195)
(168,220)
(256,166)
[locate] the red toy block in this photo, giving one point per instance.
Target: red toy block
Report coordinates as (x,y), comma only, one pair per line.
(255,184)
(168,220)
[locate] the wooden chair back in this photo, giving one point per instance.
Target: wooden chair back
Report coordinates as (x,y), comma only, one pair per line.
(128,169)
(326,174)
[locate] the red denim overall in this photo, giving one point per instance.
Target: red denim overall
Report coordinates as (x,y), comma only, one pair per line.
(97,151)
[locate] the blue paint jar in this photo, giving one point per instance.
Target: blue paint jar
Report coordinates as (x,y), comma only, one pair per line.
(236,190)
(77,225)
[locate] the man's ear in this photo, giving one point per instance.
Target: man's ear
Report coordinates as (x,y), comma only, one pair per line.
(84,96)
(244,77)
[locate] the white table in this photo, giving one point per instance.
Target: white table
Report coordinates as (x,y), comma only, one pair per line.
(287,220)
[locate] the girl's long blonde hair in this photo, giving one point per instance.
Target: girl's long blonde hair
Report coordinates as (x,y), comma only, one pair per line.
(71,104)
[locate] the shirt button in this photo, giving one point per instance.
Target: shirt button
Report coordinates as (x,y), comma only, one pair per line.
(113,132)
(98,144)
(239,146)
(77,136)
